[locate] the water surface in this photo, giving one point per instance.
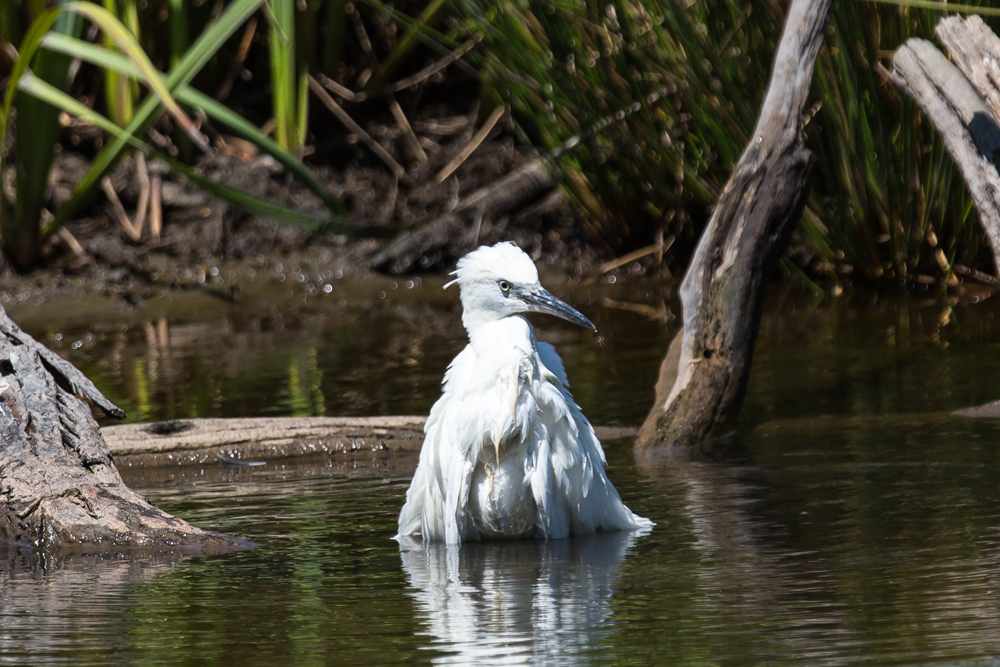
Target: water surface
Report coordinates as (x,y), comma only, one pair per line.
(858,520)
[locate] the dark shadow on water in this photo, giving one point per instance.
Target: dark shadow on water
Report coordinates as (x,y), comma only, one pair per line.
(728,448)
(503,602)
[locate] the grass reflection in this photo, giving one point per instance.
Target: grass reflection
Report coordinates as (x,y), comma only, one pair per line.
(861,524)
(261,359)
(305,384)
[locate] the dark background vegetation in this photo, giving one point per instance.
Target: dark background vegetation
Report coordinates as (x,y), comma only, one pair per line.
(645,104)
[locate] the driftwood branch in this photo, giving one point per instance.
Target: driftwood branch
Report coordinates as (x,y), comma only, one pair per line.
(704,377)
(962,102)
(59,488)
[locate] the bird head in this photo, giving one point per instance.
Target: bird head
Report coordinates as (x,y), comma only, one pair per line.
(501,281)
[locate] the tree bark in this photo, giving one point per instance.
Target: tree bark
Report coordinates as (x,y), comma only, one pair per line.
(963,104)
(704,377)
(59,488)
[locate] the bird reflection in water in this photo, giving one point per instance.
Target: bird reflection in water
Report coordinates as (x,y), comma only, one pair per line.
(516,602)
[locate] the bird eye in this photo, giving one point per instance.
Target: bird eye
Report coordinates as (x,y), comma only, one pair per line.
(504,287)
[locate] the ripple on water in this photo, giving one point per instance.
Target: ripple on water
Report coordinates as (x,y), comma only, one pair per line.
(860,522)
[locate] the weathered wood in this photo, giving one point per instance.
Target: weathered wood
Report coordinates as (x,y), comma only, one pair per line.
(238,440)
(456,230)
(723,290)
(974,48)
(958,111)
(192,441)
(59,488)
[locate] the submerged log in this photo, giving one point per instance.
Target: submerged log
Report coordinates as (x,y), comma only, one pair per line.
(704,377)
(59,488)
(240,441)
(963,104)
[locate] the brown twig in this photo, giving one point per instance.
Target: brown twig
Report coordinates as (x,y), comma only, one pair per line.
(364,42)
(430,70)
(67,237)
(143,174)
(411,138)
(241,56)
(442,127)
(471,147)
(156,208)
(344,118)
(974,274)
(118,211)
(341,91)
(429,144)
(655,313)
(638,254)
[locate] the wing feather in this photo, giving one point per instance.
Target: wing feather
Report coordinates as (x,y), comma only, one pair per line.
(577,459)
(476,410)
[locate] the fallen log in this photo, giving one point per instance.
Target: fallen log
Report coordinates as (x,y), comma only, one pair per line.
(457,230)
(704,376)
(963,103)
(241,440)
(59,488)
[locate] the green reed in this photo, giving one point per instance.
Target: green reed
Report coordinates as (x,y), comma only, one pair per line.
(120,92)
(883,181)
(289,73)
(48,46)
(195,51)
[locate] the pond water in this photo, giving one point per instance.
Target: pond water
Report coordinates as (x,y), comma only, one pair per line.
(858,521)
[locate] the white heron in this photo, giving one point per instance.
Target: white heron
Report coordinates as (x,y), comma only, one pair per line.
(507,453)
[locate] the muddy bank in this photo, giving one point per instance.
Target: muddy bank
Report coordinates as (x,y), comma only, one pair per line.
(203,242)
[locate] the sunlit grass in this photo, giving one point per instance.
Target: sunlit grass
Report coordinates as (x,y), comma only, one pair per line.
(883,181)
(663,94)
(44,96)
(289,73)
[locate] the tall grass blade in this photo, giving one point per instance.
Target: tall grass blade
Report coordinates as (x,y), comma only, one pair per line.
(35,149)
(288,74)
(424,33)
(120,93)
(127,44)
(194,59)
(179,43)
(191,97)
(43,91)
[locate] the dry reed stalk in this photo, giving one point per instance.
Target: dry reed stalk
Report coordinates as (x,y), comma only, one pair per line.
(471,147)
(430,70)
(660,248)
(118,211)
(411,138)
(156,208)
(344,118)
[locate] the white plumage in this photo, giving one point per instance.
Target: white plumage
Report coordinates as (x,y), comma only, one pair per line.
(507,453)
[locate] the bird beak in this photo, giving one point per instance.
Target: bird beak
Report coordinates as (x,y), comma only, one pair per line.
(540,300)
